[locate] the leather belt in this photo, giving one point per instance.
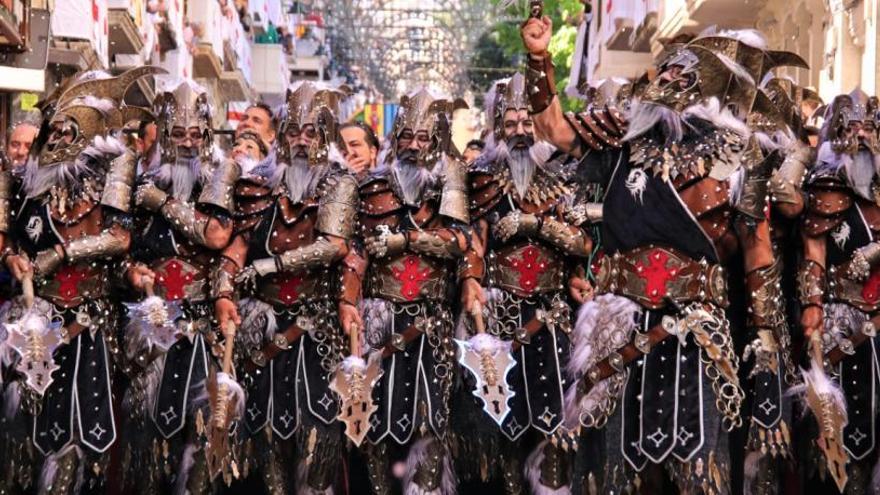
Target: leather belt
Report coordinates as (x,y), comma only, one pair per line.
(399,341)
(524,334)
(862,295)
(280,342)
(616,362)
(848,346)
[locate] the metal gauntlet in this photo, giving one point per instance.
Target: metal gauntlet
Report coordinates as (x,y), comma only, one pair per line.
(765,289)
(105,244)
(753,199)
(437,244)
(222,279)
(186,220)
(540,81)
(119,183)
(219,190)
(863,261)
(5,197)
(317,254)
(811,283)
(560,235)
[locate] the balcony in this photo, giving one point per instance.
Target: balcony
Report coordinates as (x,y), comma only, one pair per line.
(725,13)
(269,71)
(206,63)
(125,37)
(234,87)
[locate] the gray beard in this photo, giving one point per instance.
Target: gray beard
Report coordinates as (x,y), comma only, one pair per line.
(179,178)
(69,176)
(412,180)
(861,172)
(645,116)
(302,179)
(522,165)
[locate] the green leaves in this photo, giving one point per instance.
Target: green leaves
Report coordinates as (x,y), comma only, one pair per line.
(505,34)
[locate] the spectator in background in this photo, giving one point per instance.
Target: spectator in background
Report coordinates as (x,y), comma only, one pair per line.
(19,142)
(248,145)
(145,146)
(259,119)
(473,150)
(360,147)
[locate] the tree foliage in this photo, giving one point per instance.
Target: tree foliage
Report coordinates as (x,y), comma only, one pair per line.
(507,49)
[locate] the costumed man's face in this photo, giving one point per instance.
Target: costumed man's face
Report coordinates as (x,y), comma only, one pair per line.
(471,153)
(410,145)
(299,139)
(188,141)
(519,130)
(246,148)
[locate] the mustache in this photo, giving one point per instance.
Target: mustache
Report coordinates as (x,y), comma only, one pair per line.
(409,157)
(520,140)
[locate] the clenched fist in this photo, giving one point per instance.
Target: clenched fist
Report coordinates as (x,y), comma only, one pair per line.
(536,34)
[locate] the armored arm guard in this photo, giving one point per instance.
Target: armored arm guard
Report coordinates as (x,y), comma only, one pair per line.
(598,128)
(753,199)
(219,190)
(104,245)
(223,278)
(186,219)
(570,239)
(320,253)
(766,308)
(541,82)
(811,283)
(120,182)
(454,201)
(354,267)
(337,212)
(440,243)
(785,185)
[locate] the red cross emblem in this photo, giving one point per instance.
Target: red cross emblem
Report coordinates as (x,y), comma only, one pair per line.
(68,278)
(410,277)
(530,266)
(871,289)
(289,287)
(174,279)
(656,275)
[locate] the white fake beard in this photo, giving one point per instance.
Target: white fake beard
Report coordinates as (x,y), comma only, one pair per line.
(861,171)
(67,175)
(645,116)
(302,179)
(179,178)
(522,165)
(412,179)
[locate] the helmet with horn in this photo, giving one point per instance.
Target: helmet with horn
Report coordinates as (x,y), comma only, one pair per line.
(428,112)
(91,106)
(184,114)
(311,104)
(506,94)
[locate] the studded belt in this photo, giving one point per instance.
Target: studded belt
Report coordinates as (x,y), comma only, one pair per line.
(280,343)
(655,276)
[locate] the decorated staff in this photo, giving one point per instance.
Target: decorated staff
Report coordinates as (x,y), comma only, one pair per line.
(353,382)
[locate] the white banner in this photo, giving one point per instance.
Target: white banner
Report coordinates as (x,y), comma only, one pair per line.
(83,20)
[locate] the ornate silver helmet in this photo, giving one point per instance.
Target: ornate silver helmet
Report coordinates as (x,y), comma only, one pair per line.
(315,104)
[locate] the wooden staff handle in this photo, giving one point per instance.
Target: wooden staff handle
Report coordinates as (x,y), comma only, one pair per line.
(27,289)
(149,286)
(354,342)
(477,315)
(816,348)
(228,347)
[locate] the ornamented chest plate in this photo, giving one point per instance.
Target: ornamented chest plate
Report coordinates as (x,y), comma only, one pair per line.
(72,285)
(408,278)
(526,270)
(177,279)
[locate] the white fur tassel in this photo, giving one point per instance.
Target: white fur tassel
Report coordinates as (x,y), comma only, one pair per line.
(234,391)
(418,453)
(186,463)
(50,470)
(823,385)
(533,473)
